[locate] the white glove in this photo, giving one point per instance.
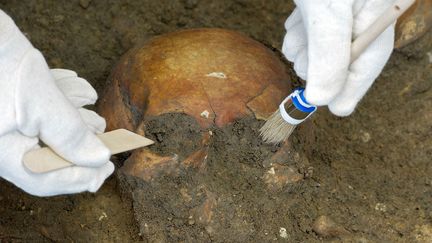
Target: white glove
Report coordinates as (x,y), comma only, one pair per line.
(318,41)
(34,105)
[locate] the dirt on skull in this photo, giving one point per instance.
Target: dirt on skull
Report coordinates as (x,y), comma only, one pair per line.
(202,94)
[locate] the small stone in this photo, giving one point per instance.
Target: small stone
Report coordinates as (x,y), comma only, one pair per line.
(308,173)
(326,227)
(191,221)
(205,114)
(45,233)
(365,137)
(58,18)
(219,75)
(204,213)
(148,166)
(381,207)
(279,176)
(84,3)
(103,216)
(283,233)
(423,233)
(185,195)
(209,229)
(271,171)
(190,4)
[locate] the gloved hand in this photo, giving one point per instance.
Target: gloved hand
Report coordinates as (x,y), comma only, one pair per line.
(318,41)
(37,103)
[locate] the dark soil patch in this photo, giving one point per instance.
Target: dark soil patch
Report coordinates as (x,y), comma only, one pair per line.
(226,200)
(371,171)
(174,133)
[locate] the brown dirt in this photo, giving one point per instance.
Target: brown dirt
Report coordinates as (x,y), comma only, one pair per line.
(227,198)
(370,173)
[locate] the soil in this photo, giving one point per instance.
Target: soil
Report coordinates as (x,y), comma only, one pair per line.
(369,173)
(225,199)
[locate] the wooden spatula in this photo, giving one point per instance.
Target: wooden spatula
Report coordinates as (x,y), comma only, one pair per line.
(118,141)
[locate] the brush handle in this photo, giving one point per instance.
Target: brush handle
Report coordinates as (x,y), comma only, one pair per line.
(375,29)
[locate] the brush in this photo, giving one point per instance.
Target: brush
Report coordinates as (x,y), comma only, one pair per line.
(295,108)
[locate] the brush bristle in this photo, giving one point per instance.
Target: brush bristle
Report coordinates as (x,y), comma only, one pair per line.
(276,129)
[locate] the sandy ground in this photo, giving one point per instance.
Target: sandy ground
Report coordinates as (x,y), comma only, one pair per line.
(371,171)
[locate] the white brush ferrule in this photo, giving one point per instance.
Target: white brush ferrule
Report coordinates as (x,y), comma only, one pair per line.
(301,105)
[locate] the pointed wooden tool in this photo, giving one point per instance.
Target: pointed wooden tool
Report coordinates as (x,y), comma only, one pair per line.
(118,141)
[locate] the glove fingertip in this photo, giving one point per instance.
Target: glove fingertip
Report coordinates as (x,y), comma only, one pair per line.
(60,73)
(84,150)
(341,109)
(294,42)
(94,122)
(319,96)
(294,18)
(105,171)
(79,101)
(98,157)
(82,87)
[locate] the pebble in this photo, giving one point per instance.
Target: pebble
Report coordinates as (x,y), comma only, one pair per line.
(381,207)
(365,137)
(283,233)
(191,4)
(205,114)
(84,3)
(326,227)
(103,216)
